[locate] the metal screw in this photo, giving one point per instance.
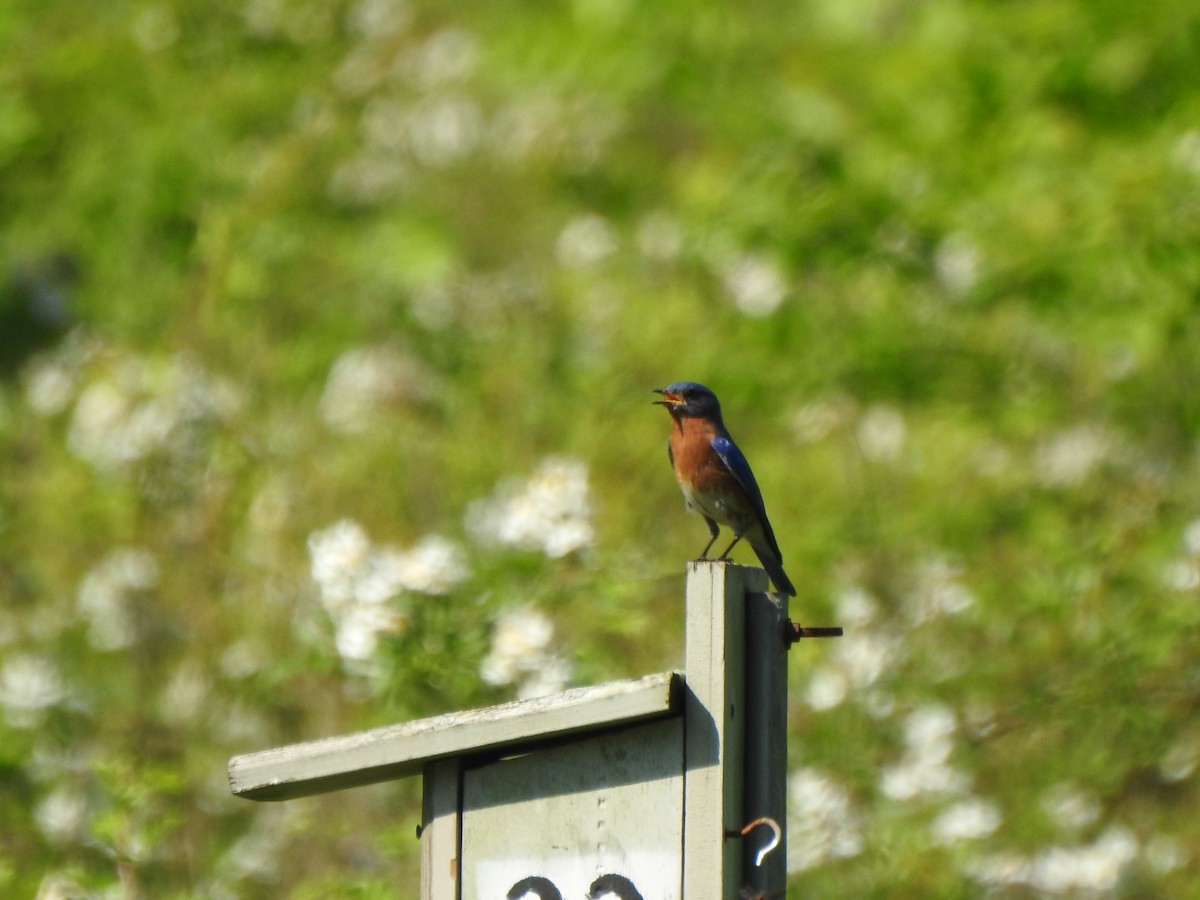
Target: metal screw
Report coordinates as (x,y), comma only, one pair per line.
(793,632)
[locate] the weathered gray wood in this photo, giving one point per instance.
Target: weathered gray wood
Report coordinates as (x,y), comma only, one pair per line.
(650,779)
(609,806)
(441,798)
(396,751)
(713,711)
(766,740)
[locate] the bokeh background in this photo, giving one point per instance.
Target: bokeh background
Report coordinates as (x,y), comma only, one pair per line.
(327,331)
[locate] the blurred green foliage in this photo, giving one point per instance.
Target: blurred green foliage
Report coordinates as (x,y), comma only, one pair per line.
(373,260)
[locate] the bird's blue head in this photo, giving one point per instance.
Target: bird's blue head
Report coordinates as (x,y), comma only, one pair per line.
(686,398)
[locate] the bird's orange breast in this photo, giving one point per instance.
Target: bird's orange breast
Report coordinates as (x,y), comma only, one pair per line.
(696,463)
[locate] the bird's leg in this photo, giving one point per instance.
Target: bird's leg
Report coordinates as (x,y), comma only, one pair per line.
(725,555)
(714,530)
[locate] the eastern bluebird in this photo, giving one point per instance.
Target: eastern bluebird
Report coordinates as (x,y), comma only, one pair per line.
(715,478)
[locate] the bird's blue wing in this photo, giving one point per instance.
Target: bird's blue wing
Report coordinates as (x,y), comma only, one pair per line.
(736,463)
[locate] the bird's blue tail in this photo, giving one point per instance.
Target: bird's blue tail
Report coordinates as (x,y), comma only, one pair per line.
(774,567)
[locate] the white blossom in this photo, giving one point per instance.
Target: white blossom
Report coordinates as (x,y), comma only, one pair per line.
(660,236)
(362,584)
(856,608)
(49,386)
(338,553)
(550,677)
(1089,869)
(244,658)
(956,264)
(521,654)
(29,685)
(442,130)
(585,241)
(881,434)
(138,407)
(826,689)
(818,419)
(938,591)
(1164,853)
(1186,153)
(551,512)
(519,641)
(822,822)
(107,592)
(379,18)
(1191,538)
(756,285)
(1181,574)
(446,58)
(359,628)
(364,381)
(864,656)
(434,565)
(925,768)
(62,815)
(858,661)
(1070,807)
(185,698)
(1069,457)
(1182,757)
(966,820)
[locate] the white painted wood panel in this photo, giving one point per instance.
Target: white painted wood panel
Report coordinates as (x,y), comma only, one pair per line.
(610,807)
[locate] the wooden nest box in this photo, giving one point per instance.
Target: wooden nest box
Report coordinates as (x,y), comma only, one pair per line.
(632,789)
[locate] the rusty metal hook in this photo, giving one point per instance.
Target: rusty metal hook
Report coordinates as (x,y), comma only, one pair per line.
(776,837)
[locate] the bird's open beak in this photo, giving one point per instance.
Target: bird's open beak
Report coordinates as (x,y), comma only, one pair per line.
(669,399)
